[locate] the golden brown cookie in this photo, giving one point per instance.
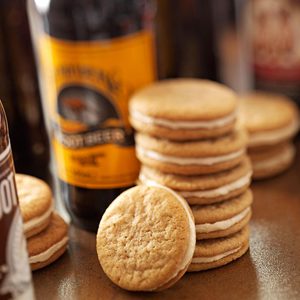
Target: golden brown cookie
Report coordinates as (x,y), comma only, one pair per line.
(215,253)
(269,118)
(146,239)
(223,218)
(47,246)
(203,189)
(192,158)
(272,162)
(184,109)
(36,203)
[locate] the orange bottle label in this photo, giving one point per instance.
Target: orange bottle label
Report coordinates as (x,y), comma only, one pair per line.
(87,87)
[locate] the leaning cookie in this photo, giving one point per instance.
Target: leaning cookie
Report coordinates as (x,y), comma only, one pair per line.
(47,246)
(203,189)
(184,109)
(36,203)
(215,253)
(224,218)
(146,239)
(192,158)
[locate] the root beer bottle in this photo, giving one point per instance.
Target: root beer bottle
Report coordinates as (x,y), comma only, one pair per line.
(15,274)
(92,55)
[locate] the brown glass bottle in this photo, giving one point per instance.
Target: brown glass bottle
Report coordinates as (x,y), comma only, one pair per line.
(111,48)
(19,91)
(15,274)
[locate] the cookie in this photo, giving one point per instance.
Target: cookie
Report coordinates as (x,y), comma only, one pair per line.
(192,158)
(47,246)
(36,203)
(215,253)
(269,118)
(184,109)
(273,161)
(224,218)
(146,239)
(203,189)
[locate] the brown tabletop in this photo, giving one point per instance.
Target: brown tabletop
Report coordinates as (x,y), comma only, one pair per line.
(270,270)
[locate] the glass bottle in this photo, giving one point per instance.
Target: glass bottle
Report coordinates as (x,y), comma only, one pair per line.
(92,56)
(15,274)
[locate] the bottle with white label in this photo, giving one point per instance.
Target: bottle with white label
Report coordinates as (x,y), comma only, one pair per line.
(15,274)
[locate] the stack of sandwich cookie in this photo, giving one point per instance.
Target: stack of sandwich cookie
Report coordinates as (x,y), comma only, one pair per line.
(45,230)
(188,140)
(272,122)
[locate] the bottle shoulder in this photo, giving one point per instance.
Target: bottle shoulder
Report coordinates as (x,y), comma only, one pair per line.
(95,20)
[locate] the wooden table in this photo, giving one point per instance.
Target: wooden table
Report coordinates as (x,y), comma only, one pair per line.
(270,270)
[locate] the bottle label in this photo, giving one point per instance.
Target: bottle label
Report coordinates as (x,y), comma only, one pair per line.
(276,48)
(88,84)
(15,274)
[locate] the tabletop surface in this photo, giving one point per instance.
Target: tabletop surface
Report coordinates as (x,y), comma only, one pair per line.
(270,270)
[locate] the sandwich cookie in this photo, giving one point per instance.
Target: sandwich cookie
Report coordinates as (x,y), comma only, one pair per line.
(269,118)
(36,203)
(203,189)
(146,239)
(47,246)
(224,218)
(215,253)
(273,161)
(192,158)
(184,109)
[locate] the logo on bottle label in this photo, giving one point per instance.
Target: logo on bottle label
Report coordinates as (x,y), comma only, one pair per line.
(15,274)
(87,93)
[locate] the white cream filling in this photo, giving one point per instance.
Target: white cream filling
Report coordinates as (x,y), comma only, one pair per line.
(274,136)
(207,161)
(33,223)
(222,225)
(44,256)
(220,122)
(192,242)
(275,161)
(199,260)
(220,191)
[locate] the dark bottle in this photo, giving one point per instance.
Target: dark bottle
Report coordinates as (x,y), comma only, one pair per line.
(15,274)
(92,56)
(19,91)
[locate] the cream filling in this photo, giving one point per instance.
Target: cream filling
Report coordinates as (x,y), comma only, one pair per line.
(192,242)
(275,161)
(274,136)
(33,223)
(220,122)
(220,191)
(200,260)
(222,225)
(44,256)
(207,161)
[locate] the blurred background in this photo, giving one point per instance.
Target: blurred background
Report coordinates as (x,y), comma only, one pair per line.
(244,44)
